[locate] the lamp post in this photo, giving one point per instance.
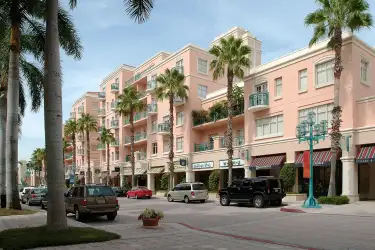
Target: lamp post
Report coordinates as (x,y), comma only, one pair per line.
(312,133)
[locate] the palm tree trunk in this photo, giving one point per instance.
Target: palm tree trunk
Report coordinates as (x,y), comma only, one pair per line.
(230,128)
(88,156)
(56,217)
(40,180)
(3,110)
(108,175)
(336,112)
(132,160)
(171,151)
(12,117)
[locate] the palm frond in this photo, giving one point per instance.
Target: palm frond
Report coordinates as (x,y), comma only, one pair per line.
(139,10)
(34,79)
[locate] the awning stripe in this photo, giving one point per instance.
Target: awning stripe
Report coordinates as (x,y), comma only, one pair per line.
(140,171)
(155,170)
(267,161)
(366,154)
(320,158)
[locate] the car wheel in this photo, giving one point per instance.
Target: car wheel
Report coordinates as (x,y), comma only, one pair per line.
(258,201)
(224,200)
(77,214)
(170,198)
(186,199)
(148,197)
(202,201)
(112,216)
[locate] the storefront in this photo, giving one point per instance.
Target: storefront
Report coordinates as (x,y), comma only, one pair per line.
(156,174)
(202,171)
(366,172)
(269,165)
(115,177)
(81,177)
(322,173)
(238,171)
(141,177)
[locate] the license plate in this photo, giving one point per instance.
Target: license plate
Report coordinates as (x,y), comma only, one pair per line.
(100,201)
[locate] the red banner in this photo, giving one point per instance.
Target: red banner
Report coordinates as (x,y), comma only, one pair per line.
(306,164)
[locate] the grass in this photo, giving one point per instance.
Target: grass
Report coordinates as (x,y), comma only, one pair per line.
(9,212)
(34,237)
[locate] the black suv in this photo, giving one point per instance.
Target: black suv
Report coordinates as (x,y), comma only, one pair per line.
(259,190)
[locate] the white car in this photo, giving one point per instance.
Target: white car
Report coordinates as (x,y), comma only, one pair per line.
(23,191)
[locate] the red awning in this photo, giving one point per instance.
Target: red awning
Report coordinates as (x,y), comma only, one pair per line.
(366,154)
(320,158)
(267,162)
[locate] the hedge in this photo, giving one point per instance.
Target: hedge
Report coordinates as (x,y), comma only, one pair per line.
(334,200)
(288,174)
(213,180)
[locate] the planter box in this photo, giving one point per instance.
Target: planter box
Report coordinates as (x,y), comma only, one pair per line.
(154,222)
(294,197)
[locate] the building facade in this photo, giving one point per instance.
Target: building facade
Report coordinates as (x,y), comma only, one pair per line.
(87,104)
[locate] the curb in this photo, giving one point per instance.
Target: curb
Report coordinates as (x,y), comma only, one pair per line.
(291,210)
(264,241)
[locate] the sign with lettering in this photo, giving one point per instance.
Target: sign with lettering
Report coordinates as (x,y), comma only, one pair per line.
(236,163)
(203,165)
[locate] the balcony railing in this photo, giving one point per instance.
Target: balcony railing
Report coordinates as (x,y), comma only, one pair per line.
(115,143)
(101,112)
(179,69)
(100,129)
(151,85)
(81,110)
(203,146)
(80,151)
(114,105)
(114,124)
(101,146)
(163,127)
(258,99)
(141,156)
(237,110)
(68,156)
(237,141)
(114,87)
(140,115)
(137,137)
(101,95)
(152,108)
(142,94)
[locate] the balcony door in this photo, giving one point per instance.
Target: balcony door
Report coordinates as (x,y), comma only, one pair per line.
(261,88)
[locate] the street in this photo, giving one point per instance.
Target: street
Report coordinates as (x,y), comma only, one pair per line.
(260,228)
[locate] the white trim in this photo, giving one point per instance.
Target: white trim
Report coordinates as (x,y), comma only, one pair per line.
(366,99)
(116,72)
(367,82)
(269,136)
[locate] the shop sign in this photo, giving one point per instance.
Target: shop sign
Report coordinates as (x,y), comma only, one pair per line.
(203,165)
(236,163)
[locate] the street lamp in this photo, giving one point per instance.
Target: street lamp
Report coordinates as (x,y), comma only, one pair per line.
(312,133)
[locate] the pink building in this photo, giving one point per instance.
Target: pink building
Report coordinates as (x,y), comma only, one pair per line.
(87,104)
(277,97)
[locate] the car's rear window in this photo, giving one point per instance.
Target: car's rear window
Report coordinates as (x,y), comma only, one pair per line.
(200,186)
(39,191)
(100,191)
(275,183)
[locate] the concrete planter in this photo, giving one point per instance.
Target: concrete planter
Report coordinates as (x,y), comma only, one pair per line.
(295,197)
(151,222)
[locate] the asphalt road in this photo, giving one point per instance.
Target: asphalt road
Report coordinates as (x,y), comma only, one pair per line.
(314,231)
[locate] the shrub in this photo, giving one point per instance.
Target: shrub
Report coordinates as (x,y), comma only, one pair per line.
(218,111)
(150,213)
(164,182)
(213,180)
(334,200)
(199,117)
(288,174)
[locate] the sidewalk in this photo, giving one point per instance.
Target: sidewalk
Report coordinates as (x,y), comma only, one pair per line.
(360,209)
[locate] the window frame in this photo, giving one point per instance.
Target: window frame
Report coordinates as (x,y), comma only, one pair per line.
(180,118)
(199,64)
(325,62)
(199,91)
(328,113)
(154,148)
(300,90)
(368,71)
(154,122)
(279,126)
(279,83)
(180,140)
(165,144)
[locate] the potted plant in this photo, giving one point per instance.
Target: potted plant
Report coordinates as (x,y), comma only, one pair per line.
(151,217)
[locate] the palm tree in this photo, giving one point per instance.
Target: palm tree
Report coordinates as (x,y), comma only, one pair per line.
(106,138)
(231,56)
(171,86)
(38,157)
(331,19)
(128,103)
(86,124)
(25,17)
(66,144)
(71,130)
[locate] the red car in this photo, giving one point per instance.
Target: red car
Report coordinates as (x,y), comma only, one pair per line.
(139,192)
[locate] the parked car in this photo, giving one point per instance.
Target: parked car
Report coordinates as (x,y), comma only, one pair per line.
(91,200)
(120,192)
(259,191)
(34,196)
(139,192)
(44,201)
(23,193)
(195,191)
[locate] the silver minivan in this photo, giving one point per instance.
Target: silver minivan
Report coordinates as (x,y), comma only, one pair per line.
(191,191)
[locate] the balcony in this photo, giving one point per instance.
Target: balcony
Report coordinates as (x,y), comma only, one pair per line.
(101,112)
(115,143)
(100,129)
(138,137)
(203,147)
(101,95)
(140,156)
(80,151)
(237,141)
(142,95)
(101,146)
(140,115)
(114,124)
(258,101)
(152,109)
(151,85)
(163,128)
(81,109)
(114,88)
(114,105)
(178,101)
(179,69)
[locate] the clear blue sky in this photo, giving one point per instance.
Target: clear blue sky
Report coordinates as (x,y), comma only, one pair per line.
(110,39)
